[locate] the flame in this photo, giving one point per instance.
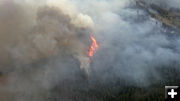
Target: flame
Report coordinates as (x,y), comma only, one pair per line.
(94,46)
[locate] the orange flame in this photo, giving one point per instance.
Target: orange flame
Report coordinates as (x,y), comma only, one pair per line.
(94,46)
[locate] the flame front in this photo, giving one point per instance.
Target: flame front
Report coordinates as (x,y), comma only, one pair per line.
(94,46)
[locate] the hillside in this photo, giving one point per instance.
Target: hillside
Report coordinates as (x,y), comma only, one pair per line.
(169,17)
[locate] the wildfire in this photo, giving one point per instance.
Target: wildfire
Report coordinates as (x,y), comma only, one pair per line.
(94,46)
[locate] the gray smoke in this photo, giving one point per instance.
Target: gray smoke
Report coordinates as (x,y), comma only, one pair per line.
(132,44)
(41,45)
(44,45)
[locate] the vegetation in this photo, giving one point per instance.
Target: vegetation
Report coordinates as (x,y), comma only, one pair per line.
(121,92)
(154,92)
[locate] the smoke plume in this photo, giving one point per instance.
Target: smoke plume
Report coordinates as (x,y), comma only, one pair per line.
(44,47)
(33,36)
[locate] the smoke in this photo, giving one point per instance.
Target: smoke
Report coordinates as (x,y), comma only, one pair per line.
(30,32)
(33,36)
(132,44)
(44,47)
